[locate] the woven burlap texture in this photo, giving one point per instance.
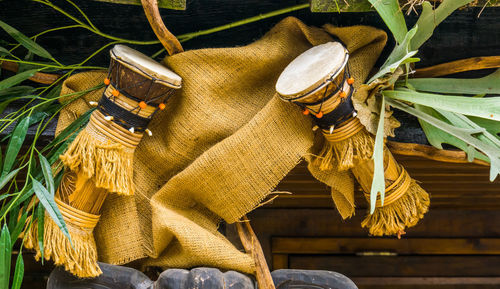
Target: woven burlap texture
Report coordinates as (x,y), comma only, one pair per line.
(221,146)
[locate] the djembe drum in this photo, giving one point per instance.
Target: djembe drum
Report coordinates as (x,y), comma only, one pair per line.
(100,159)
(319,81)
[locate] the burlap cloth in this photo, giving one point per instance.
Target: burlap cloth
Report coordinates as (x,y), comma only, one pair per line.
(221,146)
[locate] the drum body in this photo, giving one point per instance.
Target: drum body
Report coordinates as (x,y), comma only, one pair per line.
(319,81)
(137,87)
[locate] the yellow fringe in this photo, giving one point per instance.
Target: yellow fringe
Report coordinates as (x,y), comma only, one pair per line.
(109,163)
(403,213)
(79,259)
(347,152)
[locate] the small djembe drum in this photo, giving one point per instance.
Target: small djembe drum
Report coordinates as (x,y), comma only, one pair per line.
(319,81)
(100,159)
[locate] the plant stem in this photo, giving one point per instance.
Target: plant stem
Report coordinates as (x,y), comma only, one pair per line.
(96,31)
(52,66)
(189,36)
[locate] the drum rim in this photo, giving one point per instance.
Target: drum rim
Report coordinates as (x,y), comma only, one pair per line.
(313,88)
(133,67)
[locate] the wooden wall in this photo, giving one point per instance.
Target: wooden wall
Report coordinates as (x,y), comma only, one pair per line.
(456,245)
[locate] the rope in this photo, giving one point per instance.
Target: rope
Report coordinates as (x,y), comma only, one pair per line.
(396,190)
(114,131)
(77,217)
(345,131)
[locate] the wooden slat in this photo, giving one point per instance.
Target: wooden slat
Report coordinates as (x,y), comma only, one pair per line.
(414,246)
(395,281)
(451,185)
(443,223)
(410,266)
(280,261)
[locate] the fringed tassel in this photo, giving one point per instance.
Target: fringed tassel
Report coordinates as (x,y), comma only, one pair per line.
(347,144)
(104,157)
(405,212)
(78,258)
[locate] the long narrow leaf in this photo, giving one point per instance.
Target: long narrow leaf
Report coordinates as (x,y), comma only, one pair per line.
(488,107)
(47,200)
(378,181)
(25,41)
(16,79)
(19,226)
(40,216)
(18,273)
(7,178)
(4,52)
(47,173)
(465,135)
(16,91)
(489,84)
(392,15)
(15,143)
(5,253)
(70,129)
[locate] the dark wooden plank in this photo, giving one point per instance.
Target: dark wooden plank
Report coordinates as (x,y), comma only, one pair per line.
(408,266)
(439,223)
(385,281)
(471,189)
(427,282)
(280,261)
(407,246)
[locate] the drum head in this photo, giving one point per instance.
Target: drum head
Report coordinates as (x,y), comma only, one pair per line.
(312,68)
(146,66)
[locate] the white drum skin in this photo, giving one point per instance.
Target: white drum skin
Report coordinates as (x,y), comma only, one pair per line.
(311,70)
(145,66)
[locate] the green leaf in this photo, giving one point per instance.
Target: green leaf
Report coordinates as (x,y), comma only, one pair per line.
(378,181)
(462,121)
(5,196)
(490,125)
(16,91)
(16,79)
(34,118)
(54,92)
(40,216)
(4,104)
(489,84)
(400,55)
(463,134)
(4,52)
(77,125)
(25,41)
(19,226)
(15,143)
(5,253)
(47,173)
(429,19)
(393,17)
(18,273)
(488,107)
(8,177)
(47,200)
(437,137)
